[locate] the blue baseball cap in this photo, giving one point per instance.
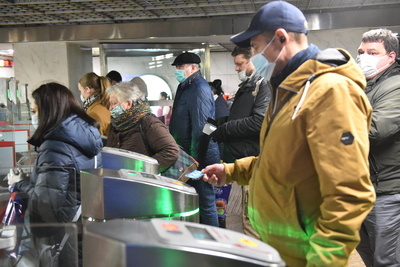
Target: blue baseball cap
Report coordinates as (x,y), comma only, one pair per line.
(270,17)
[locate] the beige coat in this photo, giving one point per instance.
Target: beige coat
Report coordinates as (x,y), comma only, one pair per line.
(101,114)
(309,187)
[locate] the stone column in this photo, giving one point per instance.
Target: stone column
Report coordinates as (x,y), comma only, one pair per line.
(65,63)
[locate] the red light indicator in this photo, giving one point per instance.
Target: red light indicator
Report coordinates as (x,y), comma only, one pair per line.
(170,227)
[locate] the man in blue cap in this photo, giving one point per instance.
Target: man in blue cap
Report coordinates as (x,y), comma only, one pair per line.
(193,104)
(309,188)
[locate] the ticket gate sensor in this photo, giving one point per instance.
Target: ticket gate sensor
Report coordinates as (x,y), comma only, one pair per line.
(159,243)
(108,194)
(116,159)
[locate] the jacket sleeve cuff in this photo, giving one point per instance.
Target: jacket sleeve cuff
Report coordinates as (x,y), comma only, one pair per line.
(229,168)
(240,171)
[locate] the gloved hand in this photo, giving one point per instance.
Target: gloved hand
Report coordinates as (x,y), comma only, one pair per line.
(14,176)
(218,135)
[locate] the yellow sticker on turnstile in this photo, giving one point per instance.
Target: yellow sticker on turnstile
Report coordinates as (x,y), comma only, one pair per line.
(177,182)
(248,242)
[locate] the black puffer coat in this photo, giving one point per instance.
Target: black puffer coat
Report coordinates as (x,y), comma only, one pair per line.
(69,148)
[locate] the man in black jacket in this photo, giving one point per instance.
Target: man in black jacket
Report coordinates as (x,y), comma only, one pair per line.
(380,235)
(241,129)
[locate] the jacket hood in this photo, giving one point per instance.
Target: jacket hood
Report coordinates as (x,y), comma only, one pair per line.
(249,83)
(329,60)
(78,133)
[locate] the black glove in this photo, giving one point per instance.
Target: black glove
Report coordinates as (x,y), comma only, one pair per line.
(218,135)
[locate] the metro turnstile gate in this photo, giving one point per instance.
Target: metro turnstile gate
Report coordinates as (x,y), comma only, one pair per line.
(116,159)
(160,243)
(109,194)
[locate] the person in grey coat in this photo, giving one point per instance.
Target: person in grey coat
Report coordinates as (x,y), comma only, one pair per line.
(380,232)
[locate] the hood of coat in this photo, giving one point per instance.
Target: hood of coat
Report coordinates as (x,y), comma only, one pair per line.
(329,60)
(78,133)
(249,85)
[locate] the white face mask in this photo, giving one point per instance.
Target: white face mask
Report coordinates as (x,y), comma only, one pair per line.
(368,65)
(242,75)
(82,98)
(35,121)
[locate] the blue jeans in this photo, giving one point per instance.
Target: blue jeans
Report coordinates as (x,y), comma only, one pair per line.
(208,210)
(380,233)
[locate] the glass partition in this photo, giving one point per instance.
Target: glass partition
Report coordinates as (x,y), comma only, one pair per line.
(20,247)
(41,226)
(15,125)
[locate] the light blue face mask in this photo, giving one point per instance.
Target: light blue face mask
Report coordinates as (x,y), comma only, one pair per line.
(263,67)
(117,111)
(180,75)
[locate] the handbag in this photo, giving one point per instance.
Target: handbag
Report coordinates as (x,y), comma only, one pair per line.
(182,166)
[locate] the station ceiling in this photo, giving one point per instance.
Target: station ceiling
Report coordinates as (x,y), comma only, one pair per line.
(211,21)
(26,13)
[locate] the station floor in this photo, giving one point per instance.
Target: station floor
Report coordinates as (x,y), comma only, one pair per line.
(234,220)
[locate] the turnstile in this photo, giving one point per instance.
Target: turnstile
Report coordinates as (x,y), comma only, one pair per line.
(109,194)
(160,243)
(116,159)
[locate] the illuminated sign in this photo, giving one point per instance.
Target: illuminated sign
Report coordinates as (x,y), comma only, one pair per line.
(6,63)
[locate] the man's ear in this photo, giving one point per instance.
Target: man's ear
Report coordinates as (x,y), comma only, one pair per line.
(392,55)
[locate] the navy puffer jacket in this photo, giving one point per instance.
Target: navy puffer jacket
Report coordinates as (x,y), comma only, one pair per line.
(54,185)
(193,104)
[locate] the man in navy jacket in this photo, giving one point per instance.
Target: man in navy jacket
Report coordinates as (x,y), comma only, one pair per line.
(193,104)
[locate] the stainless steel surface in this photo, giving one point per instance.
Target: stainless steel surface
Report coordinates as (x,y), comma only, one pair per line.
(116,159)
(184,21)
(107,194)
(67,12)
(147,243)
(161,103)
(3,90)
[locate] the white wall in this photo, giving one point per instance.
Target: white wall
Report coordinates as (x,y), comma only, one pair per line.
(222,68)
(6,72)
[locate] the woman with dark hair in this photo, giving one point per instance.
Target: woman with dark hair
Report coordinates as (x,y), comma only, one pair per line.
(221,107)
(67,140)
(95,101)
(135,128)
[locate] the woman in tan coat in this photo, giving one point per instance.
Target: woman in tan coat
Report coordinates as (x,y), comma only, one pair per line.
(95,101)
